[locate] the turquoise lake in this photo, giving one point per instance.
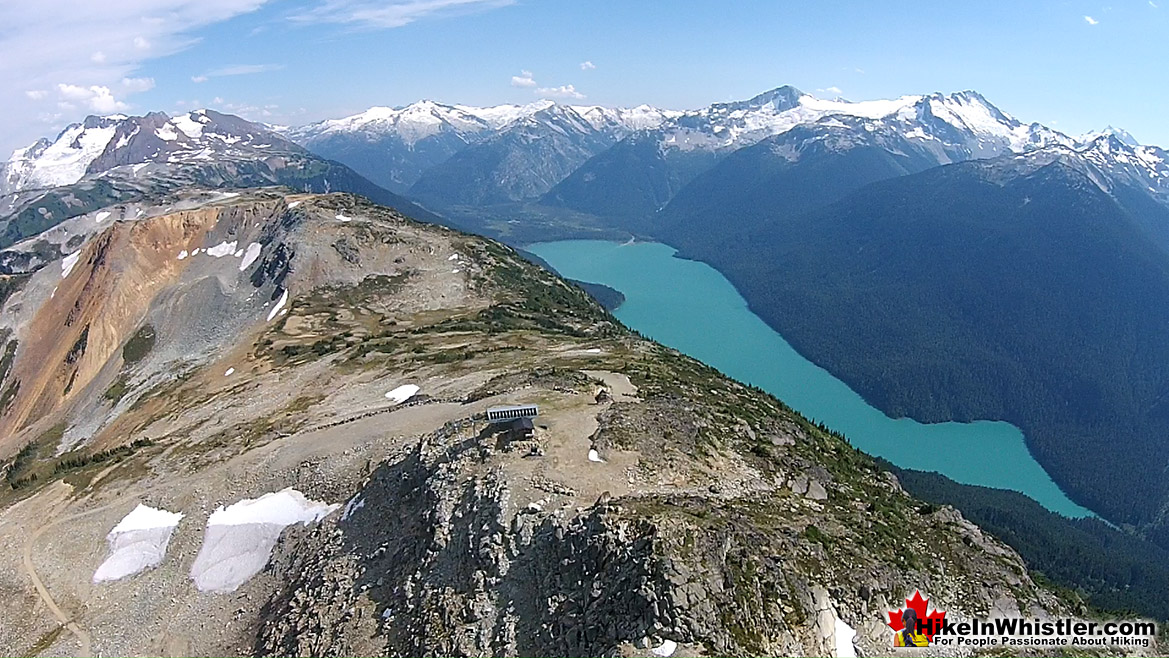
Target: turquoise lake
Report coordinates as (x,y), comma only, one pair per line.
(691,307)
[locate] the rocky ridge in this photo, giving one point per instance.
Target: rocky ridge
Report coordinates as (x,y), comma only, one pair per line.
(712,517)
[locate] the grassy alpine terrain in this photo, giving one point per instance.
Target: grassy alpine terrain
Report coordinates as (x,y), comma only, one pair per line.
(680,505)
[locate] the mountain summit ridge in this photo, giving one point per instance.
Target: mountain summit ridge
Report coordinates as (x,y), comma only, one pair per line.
(395,146)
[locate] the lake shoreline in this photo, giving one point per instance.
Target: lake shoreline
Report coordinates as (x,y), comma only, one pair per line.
(762,356)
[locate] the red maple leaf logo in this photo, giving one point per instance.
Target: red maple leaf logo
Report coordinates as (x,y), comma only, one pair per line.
(931,622)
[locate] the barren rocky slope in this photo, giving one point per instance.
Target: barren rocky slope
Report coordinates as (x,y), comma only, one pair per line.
(225,347)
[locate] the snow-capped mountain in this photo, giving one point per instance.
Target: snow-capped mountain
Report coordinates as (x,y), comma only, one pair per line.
(102,143)
(414,122)
(940,128)
(1119,133)
(426,118)
(1114,166)
(120,159)
(962,125)
(395,146)
(525,158)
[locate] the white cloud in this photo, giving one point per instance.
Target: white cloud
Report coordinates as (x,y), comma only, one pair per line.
(95,98)
(237,69)
(248,110)
(1152,4)
(136,85)
(382,14)
(36,94)
(1091,21)
(524,79)
(831,90)
(563,91)
(587,66)
(88,45)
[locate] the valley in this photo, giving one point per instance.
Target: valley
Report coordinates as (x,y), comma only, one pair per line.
(213,322)
(692,308)
(351,357)
(770,190)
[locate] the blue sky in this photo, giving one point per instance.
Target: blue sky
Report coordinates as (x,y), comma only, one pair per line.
(1074,65)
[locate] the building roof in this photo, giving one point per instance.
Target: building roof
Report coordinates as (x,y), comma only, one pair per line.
(499,414)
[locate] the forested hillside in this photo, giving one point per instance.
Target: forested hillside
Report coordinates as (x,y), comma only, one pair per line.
(972,292)
(1113,570)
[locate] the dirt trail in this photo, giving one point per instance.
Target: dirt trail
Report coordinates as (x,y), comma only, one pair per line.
(81,634)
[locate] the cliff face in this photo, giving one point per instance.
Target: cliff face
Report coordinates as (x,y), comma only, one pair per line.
(678,507)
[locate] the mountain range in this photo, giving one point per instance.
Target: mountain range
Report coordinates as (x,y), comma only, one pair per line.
(119,158)
(726,184)
(202,313)
(768,189)
(620,163)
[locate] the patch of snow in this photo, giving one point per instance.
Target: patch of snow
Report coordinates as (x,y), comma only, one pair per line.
(402,393)
(189,126)
(453,257)
(499,116)
(229,371)
(279,305)
(866,109)
(183,254)
(594,350)
(293,205)
(125,139)
(68,262)
(354,504)
(455,271)
(102,216)
(250,255)
(138,542)
(166,132)
(595,456)
(222,249)
(844,636)
(666,648)
(144,517)
(64,161)
(343,218)
(239,538)
(284,507)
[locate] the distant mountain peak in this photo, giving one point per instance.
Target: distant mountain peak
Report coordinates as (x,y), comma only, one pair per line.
(1117,133)
(99,143)
(779,99)
(786,95)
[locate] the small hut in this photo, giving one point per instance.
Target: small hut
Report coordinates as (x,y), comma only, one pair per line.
(521,429)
